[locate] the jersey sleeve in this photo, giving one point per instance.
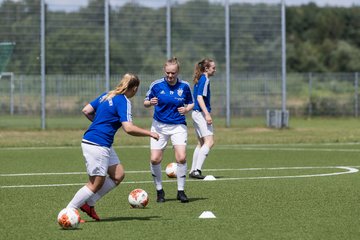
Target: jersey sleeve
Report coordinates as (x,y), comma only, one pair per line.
(96,102)
(203,83)
(124,110)
(150,93)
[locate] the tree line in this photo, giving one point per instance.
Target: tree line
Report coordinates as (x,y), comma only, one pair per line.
(323,39)
(319,39)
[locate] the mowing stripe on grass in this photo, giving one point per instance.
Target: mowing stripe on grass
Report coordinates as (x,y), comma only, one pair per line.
(349,170)
(54,173)
(231,146)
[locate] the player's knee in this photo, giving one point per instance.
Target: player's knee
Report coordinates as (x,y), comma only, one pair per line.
(155,160)
(209,143)
(156,157)
(181,159)
(118,178)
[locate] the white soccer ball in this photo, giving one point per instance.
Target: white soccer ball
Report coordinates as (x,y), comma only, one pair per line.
(171,170)
(138,198)
(69,218)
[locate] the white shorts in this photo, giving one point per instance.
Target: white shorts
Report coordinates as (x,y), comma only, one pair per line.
(202,129)
(98,159)
(176,132)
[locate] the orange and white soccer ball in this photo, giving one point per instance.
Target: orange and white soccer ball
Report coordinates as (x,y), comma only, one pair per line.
(69,218)
(138,198)
(171,170)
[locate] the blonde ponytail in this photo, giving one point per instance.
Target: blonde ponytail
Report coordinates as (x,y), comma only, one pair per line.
(128,81)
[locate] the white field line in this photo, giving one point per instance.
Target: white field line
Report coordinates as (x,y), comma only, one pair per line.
(291,149)
(348,170)
(147,171)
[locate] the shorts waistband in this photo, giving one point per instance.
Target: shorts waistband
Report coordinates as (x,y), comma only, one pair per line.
(90,143)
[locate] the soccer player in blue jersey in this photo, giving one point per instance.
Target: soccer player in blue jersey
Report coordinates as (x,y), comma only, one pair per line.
(172,99)
(201,116)
(108,113)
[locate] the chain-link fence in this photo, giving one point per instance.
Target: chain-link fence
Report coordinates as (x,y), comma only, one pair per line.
(89,45)
(309,94)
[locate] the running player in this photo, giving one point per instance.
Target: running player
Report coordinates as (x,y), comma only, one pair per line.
(172,99)
(201,116)
(108,113)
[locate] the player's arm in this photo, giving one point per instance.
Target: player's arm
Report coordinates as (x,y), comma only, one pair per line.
(185,109)
(189,107)
(134,130)
(150,99)
(153,101)
(202,105)
(89,112)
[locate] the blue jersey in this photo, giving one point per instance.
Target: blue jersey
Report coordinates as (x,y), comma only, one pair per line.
(170,98)
(202,88)
(109,115)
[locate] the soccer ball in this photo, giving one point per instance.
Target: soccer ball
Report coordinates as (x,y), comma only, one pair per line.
(69,218)
(138,198)
(171,170)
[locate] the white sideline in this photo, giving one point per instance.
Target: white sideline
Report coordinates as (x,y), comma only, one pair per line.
(349,170)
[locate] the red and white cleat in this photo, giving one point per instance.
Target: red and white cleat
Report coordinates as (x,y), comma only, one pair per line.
(90,211)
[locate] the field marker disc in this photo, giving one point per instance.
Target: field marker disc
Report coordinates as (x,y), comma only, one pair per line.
(207,214)
(209,178)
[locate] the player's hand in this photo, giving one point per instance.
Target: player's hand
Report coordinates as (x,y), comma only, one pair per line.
(208,119)
(182,110)
(155,136)
(154,101)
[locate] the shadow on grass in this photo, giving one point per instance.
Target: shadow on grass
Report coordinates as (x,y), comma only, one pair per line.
(191,199)
(70,229)
(218,177)
(116,219)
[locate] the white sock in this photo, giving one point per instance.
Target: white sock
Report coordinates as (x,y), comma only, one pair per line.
(204,151)
(194,159)
(107,187)
(156,173)
(181,176)
(82,195)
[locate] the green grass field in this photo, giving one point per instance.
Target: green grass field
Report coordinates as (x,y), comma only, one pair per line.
(298,183)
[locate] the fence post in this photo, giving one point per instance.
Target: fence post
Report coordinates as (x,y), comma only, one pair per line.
(12,88)
(283,62)
(21,89)
(266,89)
(356,95)
(168,29)
(43,66)
(310,93)
(227,59)
(107,44)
